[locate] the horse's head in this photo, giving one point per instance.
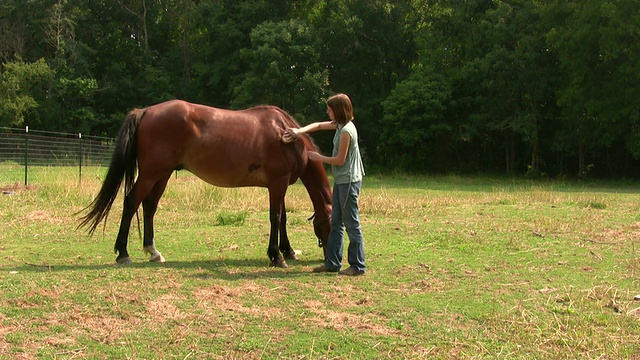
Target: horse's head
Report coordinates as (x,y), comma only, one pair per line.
(322,228)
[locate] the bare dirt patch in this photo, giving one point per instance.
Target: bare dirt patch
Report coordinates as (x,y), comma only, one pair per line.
(616,236)
(342,321)
(104,329)
(43,215)
(13,189)
(164,309)
(231,299)
(635,312)
(10,189)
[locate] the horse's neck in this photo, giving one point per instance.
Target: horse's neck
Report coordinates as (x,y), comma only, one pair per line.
(315,180)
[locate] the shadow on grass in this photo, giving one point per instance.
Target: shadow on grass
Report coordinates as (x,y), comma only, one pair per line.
(227,269)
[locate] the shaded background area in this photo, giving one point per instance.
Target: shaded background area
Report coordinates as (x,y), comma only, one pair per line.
(538,89)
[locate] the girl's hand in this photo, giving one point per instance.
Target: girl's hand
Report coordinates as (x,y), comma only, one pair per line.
(314,155)
(290,135)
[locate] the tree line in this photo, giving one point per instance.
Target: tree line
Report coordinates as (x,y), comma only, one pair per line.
(536,88)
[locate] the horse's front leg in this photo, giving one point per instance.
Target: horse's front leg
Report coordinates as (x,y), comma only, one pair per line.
(276,208)
(285,245)
(274,255)
(149,207)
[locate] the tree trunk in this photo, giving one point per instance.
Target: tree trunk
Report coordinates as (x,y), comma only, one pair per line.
(535,159)
(143,22)
(510,151)
(581,167)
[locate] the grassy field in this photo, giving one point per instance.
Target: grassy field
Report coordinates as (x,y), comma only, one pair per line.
(457,268)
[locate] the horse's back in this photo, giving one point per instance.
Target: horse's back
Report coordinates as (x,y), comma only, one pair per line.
(223,147)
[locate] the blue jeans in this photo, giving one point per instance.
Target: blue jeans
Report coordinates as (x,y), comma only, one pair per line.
(345,214)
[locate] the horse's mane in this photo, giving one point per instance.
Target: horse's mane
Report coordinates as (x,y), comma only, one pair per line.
(289,120)
(287,116)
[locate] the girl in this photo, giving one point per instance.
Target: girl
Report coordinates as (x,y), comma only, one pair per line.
(347,169)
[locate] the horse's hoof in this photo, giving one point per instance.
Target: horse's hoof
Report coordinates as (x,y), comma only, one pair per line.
(157,258)
(123,261)
(281,263)
(291,256)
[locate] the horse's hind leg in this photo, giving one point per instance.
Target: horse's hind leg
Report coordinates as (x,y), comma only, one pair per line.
(131,203)
(149,207)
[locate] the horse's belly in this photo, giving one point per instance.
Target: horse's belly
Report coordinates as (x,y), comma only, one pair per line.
(227,161)
(230,176)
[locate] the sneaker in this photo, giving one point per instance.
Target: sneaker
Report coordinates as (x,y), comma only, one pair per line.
(323,268)
(351,271)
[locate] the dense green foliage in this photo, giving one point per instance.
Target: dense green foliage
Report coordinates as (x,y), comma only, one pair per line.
(518,87)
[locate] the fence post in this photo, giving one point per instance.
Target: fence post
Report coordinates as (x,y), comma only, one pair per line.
(80,157)
(26,155)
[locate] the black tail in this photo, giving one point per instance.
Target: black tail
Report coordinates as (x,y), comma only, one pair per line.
(124,165)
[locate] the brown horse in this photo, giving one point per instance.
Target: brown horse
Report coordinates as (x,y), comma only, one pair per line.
(222,147)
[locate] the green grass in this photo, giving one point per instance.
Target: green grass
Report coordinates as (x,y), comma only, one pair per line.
(457,268)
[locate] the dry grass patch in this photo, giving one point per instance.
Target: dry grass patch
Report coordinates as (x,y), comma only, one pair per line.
(457,268)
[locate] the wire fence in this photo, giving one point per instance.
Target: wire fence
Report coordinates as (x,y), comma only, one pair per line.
(30,148)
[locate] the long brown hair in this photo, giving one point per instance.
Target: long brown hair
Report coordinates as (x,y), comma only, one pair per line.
(342,109)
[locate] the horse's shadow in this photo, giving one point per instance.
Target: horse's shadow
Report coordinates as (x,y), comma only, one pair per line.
(225,269)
